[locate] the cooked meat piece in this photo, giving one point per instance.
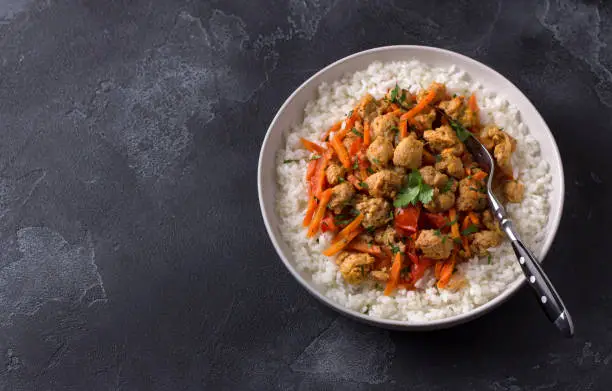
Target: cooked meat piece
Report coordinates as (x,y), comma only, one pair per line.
(380,152)
(385,236)
(341,257)
(514,191)
(457,109)
(502,145)
(451,164)
(471,196)
(379,275)
(425,120)
(349,139)
(443,138)
(434,245)
(433,177)
(334,173)
(502,153)
(483,240)
(489,222)
(409,153)
(384,125)
(341,195)
(440,92)
(403,98)
(355,267)
(384,183)
(367,108)
(441,201)
(376,212)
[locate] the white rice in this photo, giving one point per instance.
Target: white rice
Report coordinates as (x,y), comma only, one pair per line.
(485,279)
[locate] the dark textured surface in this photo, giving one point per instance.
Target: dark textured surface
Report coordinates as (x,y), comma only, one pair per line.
(132,252)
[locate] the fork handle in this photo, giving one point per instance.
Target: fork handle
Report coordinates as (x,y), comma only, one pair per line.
(541,286)
(538,281)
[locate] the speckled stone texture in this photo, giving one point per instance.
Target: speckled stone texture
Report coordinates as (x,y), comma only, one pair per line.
(132,251)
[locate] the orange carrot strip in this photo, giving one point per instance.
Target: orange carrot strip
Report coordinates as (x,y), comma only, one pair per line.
(394,275)
(438,269)
(452,216)
(363,169)
(334,128)
(329,223)
(349,228)
(446,272)
(468,171)
(355,146)
(337,246)
(397,112)
(341,152)
(319,178)
(466,223)
(312,147)
(466,247)
(312,206)
(473,105)
(365,247)
(480,175)
(419,106)
(366,134)
(474,218)
(318,215)
(347,126)
(394,106)
(428,158)
(355,181)
(403,127)
(312,168)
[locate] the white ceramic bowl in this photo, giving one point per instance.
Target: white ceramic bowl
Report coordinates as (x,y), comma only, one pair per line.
(292,112)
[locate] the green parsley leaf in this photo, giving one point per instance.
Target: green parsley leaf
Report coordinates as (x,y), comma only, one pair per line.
(376,161)
(447,186)
(451,222)
(356,165)
(394,93)
(378,286)
(489,259)
(457,240)
(369,170)
(391,215)
(341,180)
(454,95)
(426,193)
(405,269)
(358,133)
(414,191)
(395,249)
(437,232)
(290,161)
(350,113)
(469,230)
(438,158)
(362,270)
(395,129)
(462,133)
(370,229)
(315,157)
(363,185)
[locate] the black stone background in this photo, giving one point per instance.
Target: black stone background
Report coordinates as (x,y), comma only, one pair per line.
(132,251)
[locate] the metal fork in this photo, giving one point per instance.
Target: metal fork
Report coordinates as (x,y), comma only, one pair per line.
(547,296)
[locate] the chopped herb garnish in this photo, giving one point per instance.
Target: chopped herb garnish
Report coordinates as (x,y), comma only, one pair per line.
(315,157)
(369,170)
(367,310)
(370,229)
(376,161)
(363,185)
(414,191)
(448,186)
(437,232)
(391,216)
(394,93)
(438,158)
(356,165)
(378,286)
(369,245)
(462,133)
(489,259)
(405,269)
(454,95)
(341,180)
(350,113)
(358,133)
(469,230)
(362,270)
(457,240)
(473,188)
(451,222)
(290,161)
(395,129)
(395,249)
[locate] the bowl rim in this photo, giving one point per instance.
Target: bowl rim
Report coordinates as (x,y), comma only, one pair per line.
(450,321)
